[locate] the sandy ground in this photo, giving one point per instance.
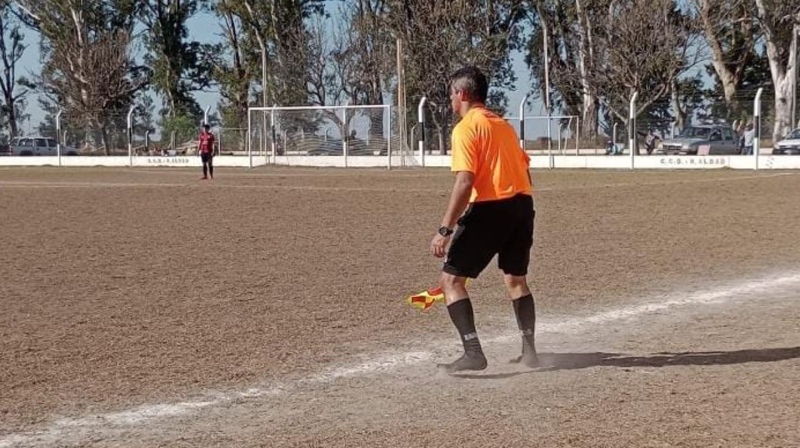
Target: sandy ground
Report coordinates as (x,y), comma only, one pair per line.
(145,308)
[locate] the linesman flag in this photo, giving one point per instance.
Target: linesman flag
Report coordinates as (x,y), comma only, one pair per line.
(427,298)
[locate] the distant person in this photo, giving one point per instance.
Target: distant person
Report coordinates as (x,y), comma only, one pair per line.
(749,139)
(650,141)
(205,147)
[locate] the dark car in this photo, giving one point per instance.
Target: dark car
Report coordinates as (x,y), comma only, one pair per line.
(5,149)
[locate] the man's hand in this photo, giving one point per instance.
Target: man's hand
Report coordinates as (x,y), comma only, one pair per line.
(439,245)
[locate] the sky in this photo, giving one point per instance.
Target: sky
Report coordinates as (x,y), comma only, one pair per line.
(205,29)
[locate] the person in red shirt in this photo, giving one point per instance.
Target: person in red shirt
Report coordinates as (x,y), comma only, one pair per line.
(205,147)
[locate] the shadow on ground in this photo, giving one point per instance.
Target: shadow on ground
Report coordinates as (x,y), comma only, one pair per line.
(574,361)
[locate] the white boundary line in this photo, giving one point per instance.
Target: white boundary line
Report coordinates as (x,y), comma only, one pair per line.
(387,363)
(67,184)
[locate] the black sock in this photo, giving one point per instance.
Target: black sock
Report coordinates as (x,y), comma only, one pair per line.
(205,170)
(463,317)
(210,168)
(525,310)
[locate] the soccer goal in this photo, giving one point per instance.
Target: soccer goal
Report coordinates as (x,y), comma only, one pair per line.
(345,136)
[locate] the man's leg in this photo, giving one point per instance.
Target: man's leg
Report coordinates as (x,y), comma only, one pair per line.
(514,260)
(204,159)
(461,313)
(525,311)
(211,166)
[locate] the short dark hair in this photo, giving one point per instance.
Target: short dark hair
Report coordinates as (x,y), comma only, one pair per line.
(206,126)
(471,81)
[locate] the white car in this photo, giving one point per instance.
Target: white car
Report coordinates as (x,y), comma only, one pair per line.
(39,146)
(789,145)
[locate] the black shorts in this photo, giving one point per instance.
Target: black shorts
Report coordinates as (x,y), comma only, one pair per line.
(206,157)
(503,228)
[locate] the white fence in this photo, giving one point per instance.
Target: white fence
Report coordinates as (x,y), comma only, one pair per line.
(269,144)
(768,162)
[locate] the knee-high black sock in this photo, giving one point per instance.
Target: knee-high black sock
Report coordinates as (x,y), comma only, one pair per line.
(205,169)
(211,167)
(525,310)
(463,318)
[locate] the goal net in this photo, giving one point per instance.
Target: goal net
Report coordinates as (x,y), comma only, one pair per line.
(358,136)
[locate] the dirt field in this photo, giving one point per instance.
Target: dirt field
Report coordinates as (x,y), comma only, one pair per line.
(145,308)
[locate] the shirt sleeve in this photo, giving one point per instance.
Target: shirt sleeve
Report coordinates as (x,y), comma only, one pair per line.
(464,148)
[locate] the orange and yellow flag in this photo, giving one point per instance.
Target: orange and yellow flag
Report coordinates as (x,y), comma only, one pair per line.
(427,298)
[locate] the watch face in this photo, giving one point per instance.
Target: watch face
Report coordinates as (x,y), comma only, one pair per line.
(444,231)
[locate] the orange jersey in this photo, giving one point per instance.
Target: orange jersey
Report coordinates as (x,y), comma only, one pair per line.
(484,144)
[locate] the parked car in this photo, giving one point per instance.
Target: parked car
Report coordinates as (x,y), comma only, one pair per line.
(39,146)
(718,138)
(5,149)
(789,145)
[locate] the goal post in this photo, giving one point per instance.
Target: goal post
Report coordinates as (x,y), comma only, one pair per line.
(352,135)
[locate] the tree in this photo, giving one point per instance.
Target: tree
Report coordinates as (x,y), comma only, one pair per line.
(234,70)
(778,20)
(179,68)
(730,30)
(88,67)
(568,37)
(442,35)
(12,49)
(646,46)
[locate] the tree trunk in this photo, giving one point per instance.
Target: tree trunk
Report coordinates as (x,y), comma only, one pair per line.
(783,108)
(782,72)
(677,104)
(585,57)
(104,136)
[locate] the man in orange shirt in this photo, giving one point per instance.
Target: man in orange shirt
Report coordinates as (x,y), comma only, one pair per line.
(492,204)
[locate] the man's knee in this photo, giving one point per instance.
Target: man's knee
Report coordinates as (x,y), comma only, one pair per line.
(450,281)
(516,285)
(455,288)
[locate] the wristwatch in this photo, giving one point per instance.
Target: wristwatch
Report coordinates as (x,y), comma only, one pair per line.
(445,231)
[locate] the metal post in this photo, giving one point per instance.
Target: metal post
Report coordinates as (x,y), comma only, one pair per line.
(274,149)
(577,136)
(58,135)
(421,123)
(249,138)
(522,122)
(205,114)
(546,45)
(757,126)
(147,142)
(130,135)
(401,102)
(632,127)
(614,137)
(793,63)
(389,141)
(345,135)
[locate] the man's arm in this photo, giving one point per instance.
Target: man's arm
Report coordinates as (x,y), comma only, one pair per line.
(459,199)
